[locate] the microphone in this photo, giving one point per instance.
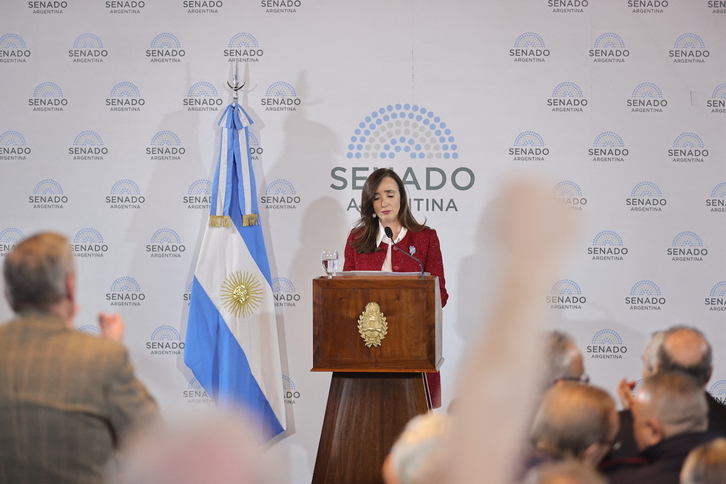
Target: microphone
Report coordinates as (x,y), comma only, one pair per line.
(389,234)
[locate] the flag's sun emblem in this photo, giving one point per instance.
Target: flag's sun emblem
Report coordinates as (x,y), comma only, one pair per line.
(241,293)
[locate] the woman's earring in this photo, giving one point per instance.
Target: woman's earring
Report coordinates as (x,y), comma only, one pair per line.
(374,215)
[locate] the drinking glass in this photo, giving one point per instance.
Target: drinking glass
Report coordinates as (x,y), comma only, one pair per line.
(329,258)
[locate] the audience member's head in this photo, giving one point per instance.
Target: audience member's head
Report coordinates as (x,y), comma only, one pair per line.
(215,447)
(418,450)
(706,464)
(39,273)
(565,472)
(668,404)
(650,359)
(564,359)
(685,349)
(575,421)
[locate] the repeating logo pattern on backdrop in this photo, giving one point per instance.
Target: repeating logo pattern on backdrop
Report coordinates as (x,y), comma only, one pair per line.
(646,196)
(88,145)
(718,389)
(607,345)
(566,294)
(164,146)
(529,47)
(716,300)
(202,6)
(48,194)
(165,340)
(13,49)
(281,6)
(90,330)
(280,96)
(280,195)
(689,49)
(717,199)
(125,291)
(88,242)
(125,97)
(568,6)
(202,96)
(607,245)
(165,48)
(87,48)
(47,97)
(567,97)
(199,195)
(608,147)
(125,195)
(529,146)
(291,392)
(13,146)
(648,6)
(609,48)
(569,193)
(645,295)
(647,97)
(687,247)
(9,238)
(165,243)
(52,7)
(717,103)
(195,393)
(243,47)
(411,133)
(688,148)
(283,290)
(125,7)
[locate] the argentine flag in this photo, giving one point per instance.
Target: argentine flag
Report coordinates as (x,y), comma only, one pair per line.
(231,340)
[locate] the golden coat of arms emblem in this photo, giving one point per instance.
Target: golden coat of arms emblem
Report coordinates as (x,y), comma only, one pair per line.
(372,325)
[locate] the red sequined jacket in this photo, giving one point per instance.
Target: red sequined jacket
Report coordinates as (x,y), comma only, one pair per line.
(423,245)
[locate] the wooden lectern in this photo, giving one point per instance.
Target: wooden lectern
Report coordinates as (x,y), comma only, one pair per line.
(375,390)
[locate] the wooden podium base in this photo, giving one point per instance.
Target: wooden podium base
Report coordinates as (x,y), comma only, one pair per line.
(364,416)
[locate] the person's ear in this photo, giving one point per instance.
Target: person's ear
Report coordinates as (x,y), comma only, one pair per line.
(655,432)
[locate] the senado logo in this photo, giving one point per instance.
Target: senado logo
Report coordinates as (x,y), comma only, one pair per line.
(243,47)
(689,49)
(165,145)
(125,291)
(717,200)
(283,290)
(254,145)
(13,49)
(568,6)
(165,340)
(48,96)
(607,344)
(291,392)
(609,48)
(47,7)
(718,389)
(9,238)
(202,96)
(13,146)
(187,296)
(569,194)
(125,97)
(409,132)
(199,195)
(648,6)
(125,7)
(529,146)
(688,148)
(90,330)
(645,296)
(48,194)
(88,145)
(165,243)
(202,6)
(125,194)
(165,47)
(195,393)
(280,96)
(608,147)
(280,195)
(567,97)
(716,300)
(88,242)
(717,103)
(88,48)
(647,98)
(607,245)
(687,247)
(529,47)
(646,197)
(280,6)
(566,294)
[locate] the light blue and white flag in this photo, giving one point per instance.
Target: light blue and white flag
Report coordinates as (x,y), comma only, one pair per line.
(231,342)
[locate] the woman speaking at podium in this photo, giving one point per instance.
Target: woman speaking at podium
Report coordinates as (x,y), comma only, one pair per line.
(384,208)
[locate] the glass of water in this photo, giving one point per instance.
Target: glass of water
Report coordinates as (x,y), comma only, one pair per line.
(329,259)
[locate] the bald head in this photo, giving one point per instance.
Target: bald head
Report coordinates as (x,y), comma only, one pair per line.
(686,350)
(564,359)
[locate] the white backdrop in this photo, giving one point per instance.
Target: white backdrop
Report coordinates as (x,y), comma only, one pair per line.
(108,123)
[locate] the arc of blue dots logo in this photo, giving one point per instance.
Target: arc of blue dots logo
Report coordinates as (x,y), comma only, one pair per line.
(402,130)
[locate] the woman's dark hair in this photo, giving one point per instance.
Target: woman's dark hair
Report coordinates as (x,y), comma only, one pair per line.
(366,228)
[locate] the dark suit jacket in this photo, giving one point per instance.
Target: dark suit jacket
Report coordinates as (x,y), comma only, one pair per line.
(65,399)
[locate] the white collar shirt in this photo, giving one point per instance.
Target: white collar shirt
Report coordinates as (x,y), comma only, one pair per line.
(382,237)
